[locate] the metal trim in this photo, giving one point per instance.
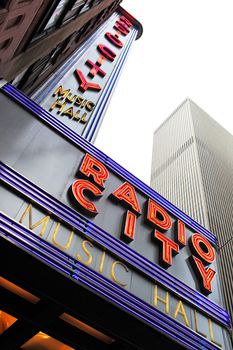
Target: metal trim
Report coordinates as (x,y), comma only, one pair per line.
(111,164)
(26,240)
(72,217)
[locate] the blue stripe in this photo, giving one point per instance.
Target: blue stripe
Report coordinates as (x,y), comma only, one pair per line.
(112,165)
(81,224)
(24,238)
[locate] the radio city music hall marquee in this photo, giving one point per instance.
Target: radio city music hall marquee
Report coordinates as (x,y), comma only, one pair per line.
(156,216)
(167,236)
(86,205)
(84,87)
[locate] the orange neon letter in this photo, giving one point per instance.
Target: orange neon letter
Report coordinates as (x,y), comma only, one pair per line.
(84,84)
(91,166)
(129,24)
(168,247)
(203,248)
(129,229)
(114,40)
(78,188)
(181,233)
(106,52)
(126,193)
(122,27)
(206,275)
(158,216)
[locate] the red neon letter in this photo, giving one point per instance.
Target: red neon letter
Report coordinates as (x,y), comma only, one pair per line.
(168,247)
(124,19)
(130,223)
(95,69)
(206,275)
(78,187)
(85,85)
(114,40)
(127,194)
(181,233)
(106,52)
(122,27)
(203,248)
(91,166)
(163,222)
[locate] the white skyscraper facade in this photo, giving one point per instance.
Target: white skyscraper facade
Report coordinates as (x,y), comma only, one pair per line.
(192,167)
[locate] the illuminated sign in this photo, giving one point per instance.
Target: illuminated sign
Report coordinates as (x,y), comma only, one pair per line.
(156,216)
(158,263)
(90,254)
(76,97)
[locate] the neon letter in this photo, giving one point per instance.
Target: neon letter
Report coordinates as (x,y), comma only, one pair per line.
(106,52)
(163,222)
(203,248)
(181,233)
(129,229)
(122,27)
(91,166)
(78,187)
(95,69)
(206,275)
(168,247)
(127,194)
(84,84)
(114,40)
(124,19)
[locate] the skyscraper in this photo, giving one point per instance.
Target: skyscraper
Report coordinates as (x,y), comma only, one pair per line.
(192,166)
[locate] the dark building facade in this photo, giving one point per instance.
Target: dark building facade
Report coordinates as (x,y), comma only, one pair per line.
(42,50)
(37,36)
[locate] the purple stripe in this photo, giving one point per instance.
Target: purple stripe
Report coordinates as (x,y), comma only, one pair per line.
(72,217)
(24,238)
(115,167)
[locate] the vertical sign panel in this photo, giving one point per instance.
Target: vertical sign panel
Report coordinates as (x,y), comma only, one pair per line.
(79,92)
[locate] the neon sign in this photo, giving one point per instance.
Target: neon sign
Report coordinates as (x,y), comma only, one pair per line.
(111,227)
(156,216)
(78,108)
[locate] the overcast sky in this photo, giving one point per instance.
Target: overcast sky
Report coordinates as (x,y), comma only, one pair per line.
(186,50)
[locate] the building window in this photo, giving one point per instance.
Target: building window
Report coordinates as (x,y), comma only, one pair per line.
(15,21)
(27,78)
(5,44)
(74,11)
(61,12)
(56,14)
(87,6)
(96,2)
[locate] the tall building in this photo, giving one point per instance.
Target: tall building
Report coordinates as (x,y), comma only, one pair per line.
(192,167)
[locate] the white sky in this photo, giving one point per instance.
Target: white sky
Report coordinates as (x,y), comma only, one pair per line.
(186,50)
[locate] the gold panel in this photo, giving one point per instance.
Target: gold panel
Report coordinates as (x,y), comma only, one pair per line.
(43,341)
(6,321)
(18,291)
(87,329)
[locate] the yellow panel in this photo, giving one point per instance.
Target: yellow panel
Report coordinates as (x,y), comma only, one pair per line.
(18,291)
(43,341)
(6,321)
(85,328)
